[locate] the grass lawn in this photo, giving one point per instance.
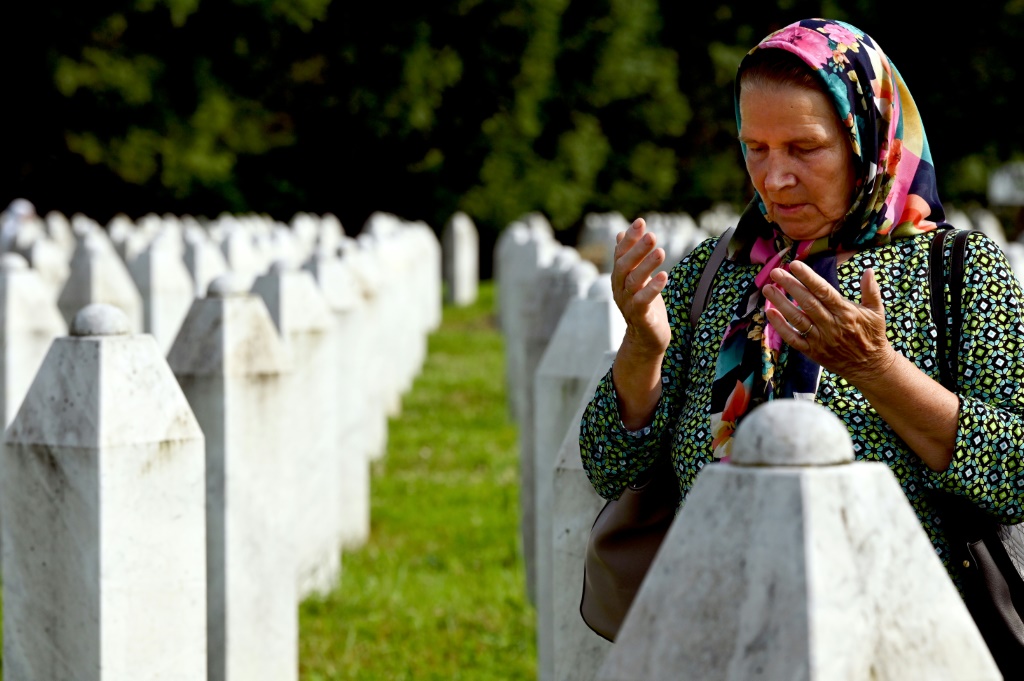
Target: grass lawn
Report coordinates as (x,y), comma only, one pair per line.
(438,593)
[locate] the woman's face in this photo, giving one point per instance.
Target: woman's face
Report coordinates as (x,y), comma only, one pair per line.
(798,157)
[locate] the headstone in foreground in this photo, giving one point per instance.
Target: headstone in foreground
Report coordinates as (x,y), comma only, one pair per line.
(794,562)
(103,493)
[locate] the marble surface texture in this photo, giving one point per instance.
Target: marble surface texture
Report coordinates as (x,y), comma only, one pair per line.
(304,322)
(555,287)
(230,364)
(103,498)
(360,422)
(588,330)
(577,651)
(782,572)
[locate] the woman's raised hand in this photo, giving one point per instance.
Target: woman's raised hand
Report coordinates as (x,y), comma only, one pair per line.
(845,338)
(637,293)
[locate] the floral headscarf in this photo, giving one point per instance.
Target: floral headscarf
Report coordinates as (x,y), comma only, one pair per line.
(896,198)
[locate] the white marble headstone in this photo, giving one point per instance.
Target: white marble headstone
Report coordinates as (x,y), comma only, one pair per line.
(578,651)
(810,569)
(316,470)
(103,495)
(590,328)
(460,246)
(359,423)
(230,364)
(166,287)
(555,287)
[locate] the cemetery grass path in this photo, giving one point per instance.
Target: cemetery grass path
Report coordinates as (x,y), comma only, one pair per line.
(438,592)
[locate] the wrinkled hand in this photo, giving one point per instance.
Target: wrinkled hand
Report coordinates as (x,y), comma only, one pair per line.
(637,293)
(843,337)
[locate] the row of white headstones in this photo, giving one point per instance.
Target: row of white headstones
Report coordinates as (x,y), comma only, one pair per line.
(561,329)
(192,458)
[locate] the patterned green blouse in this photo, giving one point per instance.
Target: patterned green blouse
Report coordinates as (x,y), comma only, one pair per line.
(988,461)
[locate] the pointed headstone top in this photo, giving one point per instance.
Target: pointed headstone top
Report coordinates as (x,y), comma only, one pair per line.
(100,319)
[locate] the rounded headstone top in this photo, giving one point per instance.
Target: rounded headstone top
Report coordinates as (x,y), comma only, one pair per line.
(791,433)
(12,262)
(227,286)
(100,319)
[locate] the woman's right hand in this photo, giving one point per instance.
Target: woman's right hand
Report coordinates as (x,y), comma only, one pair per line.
(638,294)
(637,369)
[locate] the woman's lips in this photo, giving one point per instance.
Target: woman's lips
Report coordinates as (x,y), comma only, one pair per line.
(788,208)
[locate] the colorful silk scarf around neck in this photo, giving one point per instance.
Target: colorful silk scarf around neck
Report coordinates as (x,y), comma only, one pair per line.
(896,198)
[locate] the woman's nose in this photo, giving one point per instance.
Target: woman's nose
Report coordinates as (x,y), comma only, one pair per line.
(779,174)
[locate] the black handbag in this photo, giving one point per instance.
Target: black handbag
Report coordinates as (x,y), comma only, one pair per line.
(629,530)
(988,555)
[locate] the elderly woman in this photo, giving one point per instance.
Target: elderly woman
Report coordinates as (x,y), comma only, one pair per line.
(824,295)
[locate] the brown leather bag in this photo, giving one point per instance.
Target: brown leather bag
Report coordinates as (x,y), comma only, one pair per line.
(629,530)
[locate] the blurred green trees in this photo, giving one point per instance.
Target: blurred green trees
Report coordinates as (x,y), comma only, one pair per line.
(496,108)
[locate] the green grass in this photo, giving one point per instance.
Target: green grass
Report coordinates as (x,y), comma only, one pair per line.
(438,593)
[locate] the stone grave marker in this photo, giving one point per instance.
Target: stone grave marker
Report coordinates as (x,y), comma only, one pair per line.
(103,489)
(460,246)
(589,329)
(578,651)
(230,364)
(304,322)
(795,562)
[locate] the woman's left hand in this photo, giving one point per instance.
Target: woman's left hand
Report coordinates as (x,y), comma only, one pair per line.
(843,337)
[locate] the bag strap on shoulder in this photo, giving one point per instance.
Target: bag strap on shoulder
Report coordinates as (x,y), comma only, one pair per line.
(947,347)
(707,277)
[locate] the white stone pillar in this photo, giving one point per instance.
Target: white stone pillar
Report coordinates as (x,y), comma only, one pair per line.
(305,324)
(378,265)
(103,515)
(373,369)
(554,287)
(460,247)
(578,651)
(596,241)
(329,233)
(99,276)
(31,321)
(166,288)
(528,250)
(430,259)
(59,229)
(47,258)
(795,562)
(229,362)
(240,253)
(354,419)
(590,328)
(203,260)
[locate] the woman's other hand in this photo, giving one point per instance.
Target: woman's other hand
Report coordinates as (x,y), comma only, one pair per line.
(845,338)
(849,340)
(637,369)
(637,293)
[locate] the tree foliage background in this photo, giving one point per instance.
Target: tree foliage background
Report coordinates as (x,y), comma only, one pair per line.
(496,108)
